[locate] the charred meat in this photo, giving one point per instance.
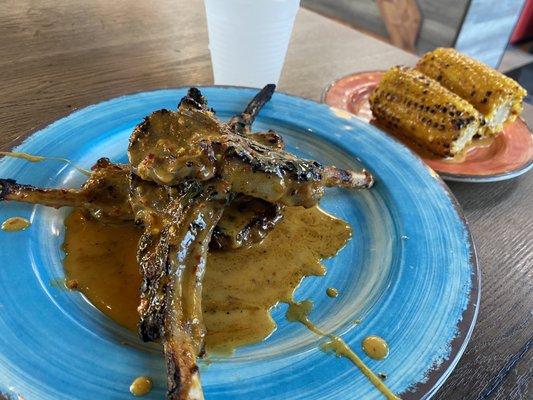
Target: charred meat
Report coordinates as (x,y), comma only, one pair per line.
(169,146)
(246,220)
(104,195)
(194,163)
(193,183)
(178,223)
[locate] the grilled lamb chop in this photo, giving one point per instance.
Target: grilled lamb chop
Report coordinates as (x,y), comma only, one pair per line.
(104,196)
(167,152)
(186,167)
(245,220)
(241,124)
(178,223)
(169,146)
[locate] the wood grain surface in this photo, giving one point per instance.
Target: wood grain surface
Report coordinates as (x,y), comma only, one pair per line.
(59,55)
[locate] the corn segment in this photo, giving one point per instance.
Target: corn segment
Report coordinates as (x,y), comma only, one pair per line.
(497,97)
(409,103)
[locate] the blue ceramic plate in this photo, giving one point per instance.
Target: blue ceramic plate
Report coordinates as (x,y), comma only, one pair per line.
(409,273)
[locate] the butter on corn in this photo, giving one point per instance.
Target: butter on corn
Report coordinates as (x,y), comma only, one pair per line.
(497,97)
(414,105)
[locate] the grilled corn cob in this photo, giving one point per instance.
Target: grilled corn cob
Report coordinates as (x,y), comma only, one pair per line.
(497,97)
(408,102)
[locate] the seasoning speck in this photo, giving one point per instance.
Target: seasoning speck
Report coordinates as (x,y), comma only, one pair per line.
(332,292)
(71,284)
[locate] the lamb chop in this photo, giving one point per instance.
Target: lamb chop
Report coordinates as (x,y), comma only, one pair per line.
(104,196)
(178,223)
(168,151)
(245,220)
(168,147)
(186,167)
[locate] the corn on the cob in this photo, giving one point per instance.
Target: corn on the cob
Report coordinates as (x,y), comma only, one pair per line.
(497,97)
(408,102)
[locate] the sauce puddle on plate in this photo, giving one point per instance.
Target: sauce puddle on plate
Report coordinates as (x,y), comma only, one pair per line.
(240,286)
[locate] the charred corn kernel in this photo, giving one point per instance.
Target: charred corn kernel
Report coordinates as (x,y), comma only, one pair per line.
(497,97)
(409,103)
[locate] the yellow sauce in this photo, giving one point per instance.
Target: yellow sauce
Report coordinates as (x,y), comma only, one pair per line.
(240,286)
(33,158)
(141,386)
(299,312)
(101,259)
(375,347)
(15,224)
(474,144)
(24,156)
(332,292)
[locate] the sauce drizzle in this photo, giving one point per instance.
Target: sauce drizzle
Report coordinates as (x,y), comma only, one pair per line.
(34,158)
(299,312)
(15,224)
(332,292)
(24,156)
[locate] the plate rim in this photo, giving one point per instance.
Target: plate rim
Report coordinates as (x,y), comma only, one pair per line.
(436,376)
(453,177)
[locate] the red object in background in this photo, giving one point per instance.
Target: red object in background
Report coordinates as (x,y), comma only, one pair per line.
(524,27)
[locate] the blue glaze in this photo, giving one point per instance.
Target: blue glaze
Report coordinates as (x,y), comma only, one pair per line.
(408,273)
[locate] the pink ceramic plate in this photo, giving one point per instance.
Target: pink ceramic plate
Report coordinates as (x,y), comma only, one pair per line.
(510,153)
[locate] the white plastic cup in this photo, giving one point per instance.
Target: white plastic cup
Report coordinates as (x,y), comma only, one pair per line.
(248,39)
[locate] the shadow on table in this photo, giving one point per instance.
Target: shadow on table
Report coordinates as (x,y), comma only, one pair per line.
(474,196)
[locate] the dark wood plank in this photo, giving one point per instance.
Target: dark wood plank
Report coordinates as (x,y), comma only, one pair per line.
(519,382)
(56,56)
(501,218)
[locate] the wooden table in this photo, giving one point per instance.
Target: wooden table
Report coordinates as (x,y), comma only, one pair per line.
(59,55)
